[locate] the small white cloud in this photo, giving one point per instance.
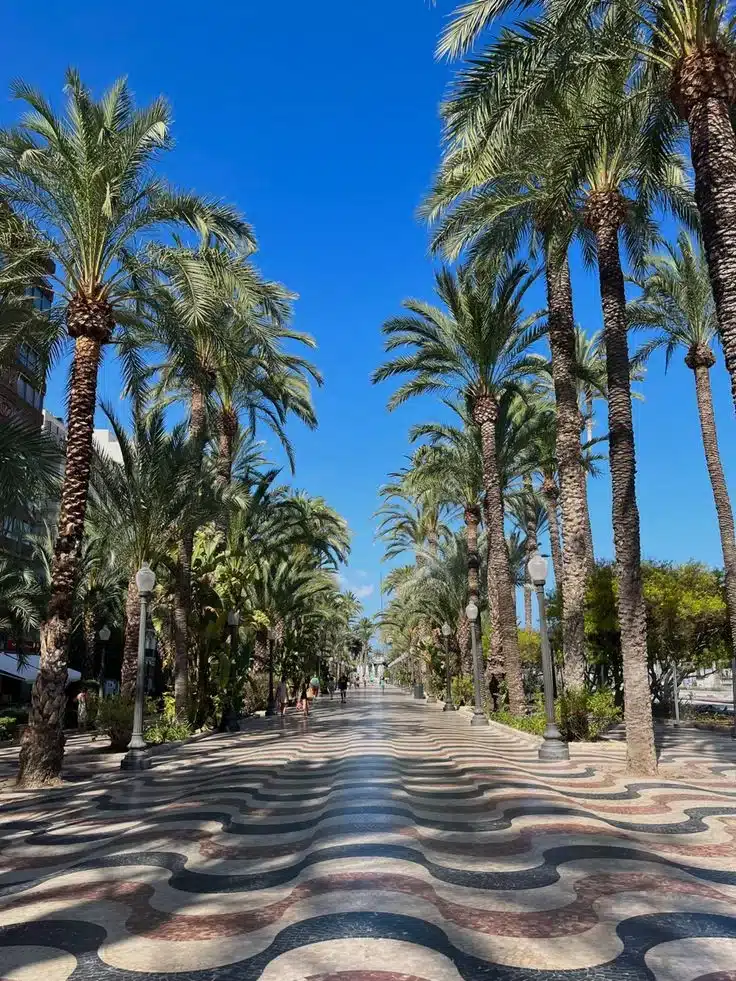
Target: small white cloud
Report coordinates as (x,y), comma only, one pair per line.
(363,592)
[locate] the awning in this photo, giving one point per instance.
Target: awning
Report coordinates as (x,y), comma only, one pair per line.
(10,669)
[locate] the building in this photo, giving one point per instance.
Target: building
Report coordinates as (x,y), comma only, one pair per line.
(107,445)
(21,385)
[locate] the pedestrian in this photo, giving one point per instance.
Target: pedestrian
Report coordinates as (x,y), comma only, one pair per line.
(282,696)
(343,686)
(304,700)
(82,710)
(315,686)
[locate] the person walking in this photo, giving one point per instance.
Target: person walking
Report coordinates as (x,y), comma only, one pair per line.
(303,698)
(282,696)
(343,686)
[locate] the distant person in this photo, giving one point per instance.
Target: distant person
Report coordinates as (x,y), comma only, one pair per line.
(303,698)
(282,696)
(342,684)
(315,686)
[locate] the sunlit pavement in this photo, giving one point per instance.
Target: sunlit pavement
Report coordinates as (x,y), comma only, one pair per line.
(382,840)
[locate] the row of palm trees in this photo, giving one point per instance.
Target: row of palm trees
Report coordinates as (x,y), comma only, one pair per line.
(572,128)
(163,280)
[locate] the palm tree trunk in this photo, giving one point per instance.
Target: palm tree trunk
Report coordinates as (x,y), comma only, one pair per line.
(42,745)
(531,546)
(704,94)
(550,493)
(485,413)
(472,520)
(495,659)
(701,362)
(183,590)
(182,602)
(570,468)
(129,668)
(604,216)
(463,642)
(589,547)
(90,645)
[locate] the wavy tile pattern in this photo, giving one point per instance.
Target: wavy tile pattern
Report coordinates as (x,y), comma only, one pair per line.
(380,841)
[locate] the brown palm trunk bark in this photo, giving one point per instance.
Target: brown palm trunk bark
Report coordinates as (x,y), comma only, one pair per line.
(90,645)
(472,520)
(589,547)
(182,602)
(485,413)
(531,545)
(551,494)
(495,660)
(605,213)
(701,361)
(42,744)
(570,469)
(183,589)
(129,667)
(465,665)
(703,93)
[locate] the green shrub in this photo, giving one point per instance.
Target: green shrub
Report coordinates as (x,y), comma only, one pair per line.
(8,726)
(602,713)
(572,716)
(533,723)
(115,717)
(164,731)
(462,690)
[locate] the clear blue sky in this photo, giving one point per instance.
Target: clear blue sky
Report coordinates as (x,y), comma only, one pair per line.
(319,120)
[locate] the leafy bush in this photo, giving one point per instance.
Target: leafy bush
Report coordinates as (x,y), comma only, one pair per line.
(534,723)
(8,726)
(602,713)
(572,714)
(579,715)
(115,717)
(164,731)
(462,690)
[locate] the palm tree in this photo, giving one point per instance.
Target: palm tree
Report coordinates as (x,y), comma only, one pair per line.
(137,508)
(684,57)
(498,203)
(677,301)
(86,179)
(477,348)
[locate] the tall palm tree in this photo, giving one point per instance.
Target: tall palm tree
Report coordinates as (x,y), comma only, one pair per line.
(476,348)
(222,329)
(137,508)
(685,63)
(677,301)
(86,179)
(487,203)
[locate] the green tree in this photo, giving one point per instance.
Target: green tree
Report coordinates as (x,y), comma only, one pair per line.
(86,179)
(476,349)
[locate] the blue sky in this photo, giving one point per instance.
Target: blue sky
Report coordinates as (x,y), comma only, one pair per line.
(319,121)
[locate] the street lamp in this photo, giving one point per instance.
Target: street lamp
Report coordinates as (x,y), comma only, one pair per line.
(479,716)
(136,758)
(554,747)
(446,631)
(104,636)
(271,705)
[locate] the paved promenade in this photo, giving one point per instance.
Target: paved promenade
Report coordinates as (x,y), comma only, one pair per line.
(378,841)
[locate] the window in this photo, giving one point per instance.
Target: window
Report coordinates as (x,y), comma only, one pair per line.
(28,393)
(29,358)
(41,298)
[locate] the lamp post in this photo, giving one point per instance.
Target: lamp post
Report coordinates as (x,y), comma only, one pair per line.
(554,746)
(271,705)
(104,636)
(479,716)
(136,758)
(446,632)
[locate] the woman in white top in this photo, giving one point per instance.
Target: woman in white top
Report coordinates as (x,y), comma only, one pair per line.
(282,696)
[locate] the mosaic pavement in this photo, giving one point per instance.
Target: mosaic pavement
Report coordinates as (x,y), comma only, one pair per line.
(379,841)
